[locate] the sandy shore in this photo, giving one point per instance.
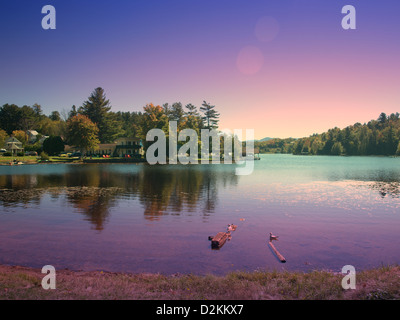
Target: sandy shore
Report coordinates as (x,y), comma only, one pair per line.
(18,283)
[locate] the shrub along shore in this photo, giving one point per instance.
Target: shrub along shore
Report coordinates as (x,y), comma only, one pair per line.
(21,283)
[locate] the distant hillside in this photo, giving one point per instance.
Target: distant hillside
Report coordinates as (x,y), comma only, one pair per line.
(275,145)
(264,139)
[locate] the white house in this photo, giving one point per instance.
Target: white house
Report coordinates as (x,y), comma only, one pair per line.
(32,136)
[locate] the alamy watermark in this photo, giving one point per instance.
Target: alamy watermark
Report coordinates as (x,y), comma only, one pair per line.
(189,152)
(49,281)
(349,280)
(348,21)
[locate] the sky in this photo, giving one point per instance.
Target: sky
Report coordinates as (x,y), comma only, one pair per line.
(285,68)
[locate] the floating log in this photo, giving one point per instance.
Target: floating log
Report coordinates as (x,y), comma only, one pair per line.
(280,257)
(219,240)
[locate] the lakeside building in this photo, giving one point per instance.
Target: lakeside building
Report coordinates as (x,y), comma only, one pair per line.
(122,147)
(32,136)
(14,146)
(128,146)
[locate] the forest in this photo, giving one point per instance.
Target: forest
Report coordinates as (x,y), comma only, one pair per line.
(94,122)
(377,137)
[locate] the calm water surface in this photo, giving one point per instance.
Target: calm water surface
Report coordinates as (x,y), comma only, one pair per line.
(328,212)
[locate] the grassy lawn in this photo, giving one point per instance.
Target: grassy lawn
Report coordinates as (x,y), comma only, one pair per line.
(375,284)
(29,159)
(34,159)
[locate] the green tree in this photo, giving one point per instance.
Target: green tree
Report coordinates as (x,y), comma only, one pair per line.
(55,116)
(38,109)
(193,118)
(128,123)
(10,117)
(53,145)
(97,109)
(337,149)
(177,114)
(44,156)
(382,118)
(298,147)
(49,127)
(398,150)
(29,118)
(82,133)
(73,112)
(316,146)
(211,116)
(392,141)
(3,137)
(192,110)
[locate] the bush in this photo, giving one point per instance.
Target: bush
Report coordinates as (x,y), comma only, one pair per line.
(33,147)
(7,154)
(20,154)
(44,156)
(53,145)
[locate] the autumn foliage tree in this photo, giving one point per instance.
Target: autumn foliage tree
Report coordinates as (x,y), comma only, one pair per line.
(154,117)
(20,135)
(82,133)
(3,137)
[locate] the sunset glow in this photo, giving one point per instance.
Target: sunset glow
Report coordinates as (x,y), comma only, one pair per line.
(282,68)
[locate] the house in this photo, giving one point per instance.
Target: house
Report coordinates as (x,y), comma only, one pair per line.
(128,146)
(122,147)
(107,149)
(14,146)
(32,136)
(41,140)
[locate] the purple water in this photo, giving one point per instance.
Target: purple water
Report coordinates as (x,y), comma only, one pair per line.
(328,212)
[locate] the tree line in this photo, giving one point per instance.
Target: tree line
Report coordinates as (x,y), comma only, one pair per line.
(377,137)
(275,145)
(93,123)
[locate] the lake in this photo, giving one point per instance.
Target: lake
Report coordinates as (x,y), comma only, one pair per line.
(328,212)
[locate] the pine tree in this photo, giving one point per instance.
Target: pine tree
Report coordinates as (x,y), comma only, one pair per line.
(73,112)
(211,117)
(192,110)
(97,109)
(193,118)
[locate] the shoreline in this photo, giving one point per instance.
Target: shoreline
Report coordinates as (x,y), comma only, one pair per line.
(24,283)
(57,160)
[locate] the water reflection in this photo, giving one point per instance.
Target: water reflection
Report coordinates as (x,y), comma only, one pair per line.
(329,212)
(93,202)
(385,182)
(391,189)
(93,189)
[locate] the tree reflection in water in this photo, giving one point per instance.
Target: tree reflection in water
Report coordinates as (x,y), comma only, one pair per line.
(93,189)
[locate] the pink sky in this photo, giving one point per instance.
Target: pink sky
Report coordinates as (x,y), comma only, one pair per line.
(282,68)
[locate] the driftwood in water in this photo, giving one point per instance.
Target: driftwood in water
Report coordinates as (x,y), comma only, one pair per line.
(219,240)
(280,257)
